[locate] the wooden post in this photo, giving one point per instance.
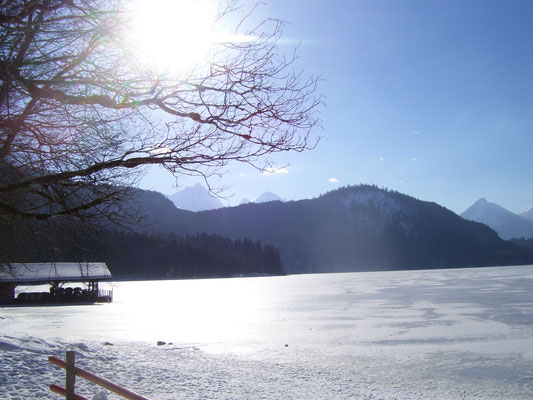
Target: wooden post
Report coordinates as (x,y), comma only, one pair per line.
(128,394)
(71,375)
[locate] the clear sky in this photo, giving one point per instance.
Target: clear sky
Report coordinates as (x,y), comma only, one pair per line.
(430,98)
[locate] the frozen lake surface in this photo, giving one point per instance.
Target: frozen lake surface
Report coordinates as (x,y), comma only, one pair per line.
(436,334)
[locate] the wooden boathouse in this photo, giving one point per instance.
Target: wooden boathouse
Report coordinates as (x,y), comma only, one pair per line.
(57,275)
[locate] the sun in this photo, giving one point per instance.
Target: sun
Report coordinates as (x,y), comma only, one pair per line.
(172,35)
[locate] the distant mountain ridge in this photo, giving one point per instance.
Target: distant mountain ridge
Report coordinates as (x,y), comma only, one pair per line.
(353,229)
(266,197)
(527,214)
(195,198)
(508,224)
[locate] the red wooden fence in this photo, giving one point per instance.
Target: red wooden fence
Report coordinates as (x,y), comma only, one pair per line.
(73,371)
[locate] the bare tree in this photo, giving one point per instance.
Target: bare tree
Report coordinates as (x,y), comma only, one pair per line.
(79,113)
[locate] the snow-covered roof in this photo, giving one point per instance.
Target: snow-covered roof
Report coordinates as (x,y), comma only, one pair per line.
(49,272)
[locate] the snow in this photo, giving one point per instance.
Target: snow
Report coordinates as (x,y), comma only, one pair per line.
(195,198)
(388,209)
(527,214)
(60,271)
(507,224)
(454,334)
(381,201)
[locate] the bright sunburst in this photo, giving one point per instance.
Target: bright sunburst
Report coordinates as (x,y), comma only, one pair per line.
(173,35)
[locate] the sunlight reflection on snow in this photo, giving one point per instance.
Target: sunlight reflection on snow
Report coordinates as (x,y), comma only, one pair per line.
(207,310)
(480,309)
(454,334)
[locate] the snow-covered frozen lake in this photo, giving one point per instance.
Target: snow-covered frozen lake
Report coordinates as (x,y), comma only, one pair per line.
(437,334)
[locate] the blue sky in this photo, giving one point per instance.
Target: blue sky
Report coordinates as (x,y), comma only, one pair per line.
(430,98)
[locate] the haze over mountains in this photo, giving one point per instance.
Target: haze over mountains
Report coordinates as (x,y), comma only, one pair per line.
(198,198)
(351,229)
(358,228)
(508,224)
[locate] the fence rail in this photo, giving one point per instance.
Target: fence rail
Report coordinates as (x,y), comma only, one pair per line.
(63,392)
(73,371)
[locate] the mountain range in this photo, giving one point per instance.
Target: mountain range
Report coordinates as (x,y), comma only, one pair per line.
(197,198)
(508,224)
(350,229)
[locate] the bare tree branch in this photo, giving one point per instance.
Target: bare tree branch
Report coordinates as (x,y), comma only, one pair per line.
(80,115)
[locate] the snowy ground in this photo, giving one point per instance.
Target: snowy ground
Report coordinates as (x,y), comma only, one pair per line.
(445,334)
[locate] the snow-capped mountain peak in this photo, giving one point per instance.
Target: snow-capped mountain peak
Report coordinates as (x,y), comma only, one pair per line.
(508,224)
(195,198)
(266,197)
(527,214)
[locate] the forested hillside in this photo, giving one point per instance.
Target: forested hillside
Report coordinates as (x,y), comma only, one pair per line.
(143,256)
(524,242)
(357,228)
(169,256)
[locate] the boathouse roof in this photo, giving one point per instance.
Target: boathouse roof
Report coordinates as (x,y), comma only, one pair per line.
(21,273)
